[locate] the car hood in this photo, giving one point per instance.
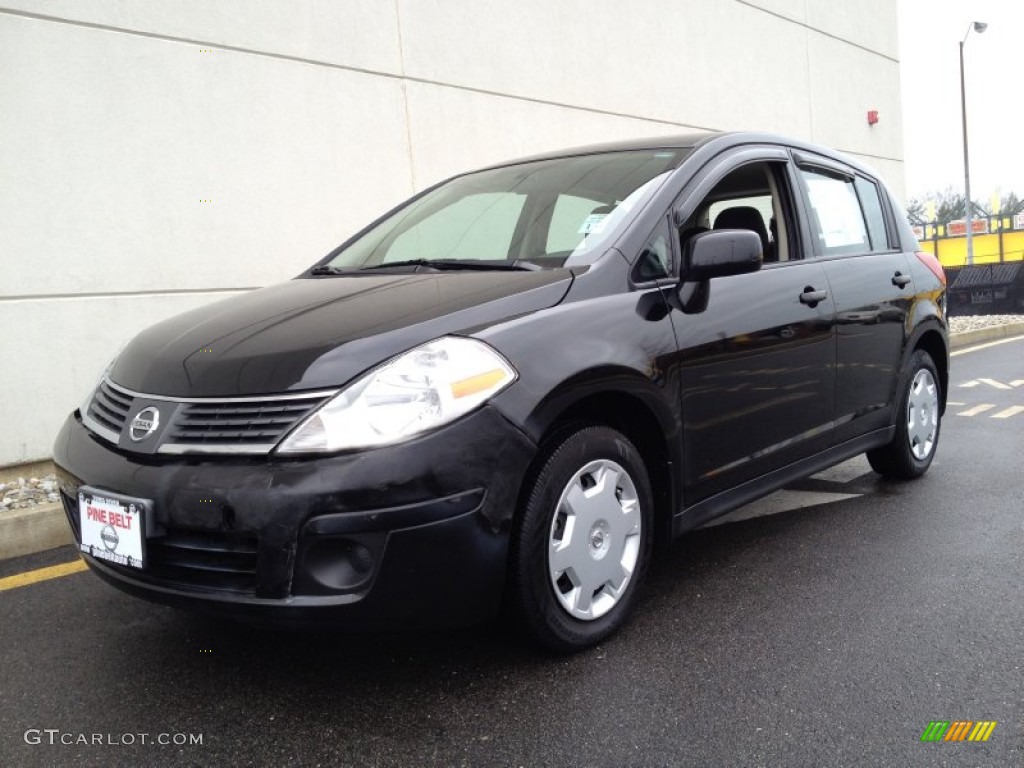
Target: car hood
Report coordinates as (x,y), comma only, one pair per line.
(317,333)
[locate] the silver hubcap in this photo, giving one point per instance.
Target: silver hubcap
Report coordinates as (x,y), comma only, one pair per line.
(922,414)
(594,541)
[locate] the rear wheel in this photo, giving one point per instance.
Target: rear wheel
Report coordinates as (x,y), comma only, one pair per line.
(583,540)
(917,426)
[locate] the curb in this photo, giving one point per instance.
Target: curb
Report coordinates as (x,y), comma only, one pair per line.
(36,529)
(33,529)
(978,335)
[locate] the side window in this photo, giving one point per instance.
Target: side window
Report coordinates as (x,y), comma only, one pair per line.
(762,204)
(479,226)
(655,259)
(837,220)
(755,197)
(871,203)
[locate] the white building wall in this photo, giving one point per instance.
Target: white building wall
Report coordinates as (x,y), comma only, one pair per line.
(158,155)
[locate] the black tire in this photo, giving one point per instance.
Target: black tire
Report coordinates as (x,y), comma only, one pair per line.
(534,594)
(907,457)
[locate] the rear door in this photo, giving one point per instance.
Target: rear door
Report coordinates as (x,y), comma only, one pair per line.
(853,238)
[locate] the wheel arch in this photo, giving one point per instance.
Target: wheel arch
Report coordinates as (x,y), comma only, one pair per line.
(628,404)
(933,341)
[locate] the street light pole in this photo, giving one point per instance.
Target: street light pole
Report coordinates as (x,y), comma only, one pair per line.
(979,27)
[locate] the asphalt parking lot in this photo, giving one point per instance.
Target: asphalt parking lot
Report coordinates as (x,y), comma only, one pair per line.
(826,625)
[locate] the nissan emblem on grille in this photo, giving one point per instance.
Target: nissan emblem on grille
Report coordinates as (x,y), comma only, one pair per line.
(144,424)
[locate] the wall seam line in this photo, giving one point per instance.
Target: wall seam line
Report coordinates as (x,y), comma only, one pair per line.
(354,69)
(822,32)
(405,99)
(868,154)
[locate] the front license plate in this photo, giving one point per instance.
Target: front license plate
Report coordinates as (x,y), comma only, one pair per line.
(112,528)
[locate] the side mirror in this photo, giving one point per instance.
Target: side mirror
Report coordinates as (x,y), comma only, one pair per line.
(720,253)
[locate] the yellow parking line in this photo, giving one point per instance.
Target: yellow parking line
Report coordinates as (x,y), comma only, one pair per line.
(42,574)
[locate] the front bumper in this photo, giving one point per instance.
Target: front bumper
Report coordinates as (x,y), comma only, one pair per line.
(414,534)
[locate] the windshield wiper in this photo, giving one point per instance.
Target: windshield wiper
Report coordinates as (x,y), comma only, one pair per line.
(519,265)
(326,269)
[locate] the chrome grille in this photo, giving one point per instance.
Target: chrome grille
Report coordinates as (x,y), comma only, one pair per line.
(109,407)
(228,425)
(237,424)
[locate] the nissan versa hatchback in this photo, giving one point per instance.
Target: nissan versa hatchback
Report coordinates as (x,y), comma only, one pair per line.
(510,388)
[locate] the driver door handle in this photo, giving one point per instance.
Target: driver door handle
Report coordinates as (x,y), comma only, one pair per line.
(811,297)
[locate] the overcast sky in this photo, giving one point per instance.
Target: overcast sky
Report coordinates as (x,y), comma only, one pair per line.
(930,31)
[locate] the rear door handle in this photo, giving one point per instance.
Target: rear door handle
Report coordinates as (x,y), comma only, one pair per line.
(811,297)
(900,280)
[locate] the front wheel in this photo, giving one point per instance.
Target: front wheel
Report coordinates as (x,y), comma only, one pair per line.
(917,425)
(582,540)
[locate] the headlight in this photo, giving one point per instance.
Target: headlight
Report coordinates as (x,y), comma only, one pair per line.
(419,390)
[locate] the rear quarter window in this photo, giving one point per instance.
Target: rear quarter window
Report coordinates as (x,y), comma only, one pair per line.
(871,203)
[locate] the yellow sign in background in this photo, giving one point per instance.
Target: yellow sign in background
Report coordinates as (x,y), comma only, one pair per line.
(952,251)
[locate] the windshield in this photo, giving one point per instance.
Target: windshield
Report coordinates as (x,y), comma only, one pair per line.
(546,214)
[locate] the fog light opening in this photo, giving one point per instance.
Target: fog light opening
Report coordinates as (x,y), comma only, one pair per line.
(339,564)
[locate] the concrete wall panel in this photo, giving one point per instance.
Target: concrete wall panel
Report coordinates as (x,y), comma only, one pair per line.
(141,164)
(689,62)
(845,83)
(55,350)
(868,23)
(791,9)
(355,33)
(455,130)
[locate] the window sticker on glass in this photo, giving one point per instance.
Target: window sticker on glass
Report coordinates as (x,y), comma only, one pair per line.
(838,211)
(593,223)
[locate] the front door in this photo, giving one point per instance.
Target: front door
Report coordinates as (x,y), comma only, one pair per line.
(757,365)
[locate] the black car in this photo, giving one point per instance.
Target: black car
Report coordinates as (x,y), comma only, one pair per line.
(508,389)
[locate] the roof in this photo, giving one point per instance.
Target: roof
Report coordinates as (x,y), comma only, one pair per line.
(719,139)
(678,141)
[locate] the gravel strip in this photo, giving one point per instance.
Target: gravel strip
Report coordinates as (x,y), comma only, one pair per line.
(974,322)
(34,491)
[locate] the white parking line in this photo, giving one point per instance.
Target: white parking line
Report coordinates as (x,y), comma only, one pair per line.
(977,409)
(991,383)
(1013,410)
(985,346)
(994,383)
